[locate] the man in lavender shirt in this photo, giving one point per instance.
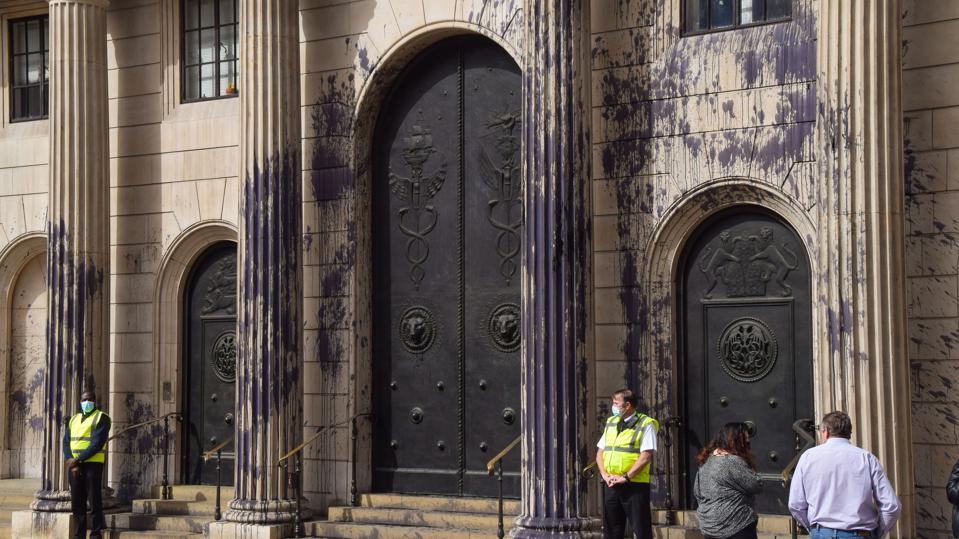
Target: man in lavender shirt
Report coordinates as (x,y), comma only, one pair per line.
(840,490)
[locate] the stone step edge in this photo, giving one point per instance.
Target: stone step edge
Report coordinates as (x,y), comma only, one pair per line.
(437,503)
(394,517)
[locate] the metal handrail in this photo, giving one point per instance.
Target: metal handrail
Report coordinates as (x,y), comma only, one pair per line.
(207,455)
(320,430)
(143,424)
(801,427)
(166,492)
(669,423)
(218,451)
(495,465)
(293,479)
(491,465)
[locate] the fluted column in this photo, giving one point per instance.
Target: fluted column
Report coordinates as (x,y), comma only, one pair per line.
(269,395)
(77,230)
(863,353)
(555,269)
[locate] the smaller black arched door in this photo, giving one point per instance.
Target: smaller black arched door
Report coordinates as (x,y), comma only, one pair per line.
(748,341)
(210,364)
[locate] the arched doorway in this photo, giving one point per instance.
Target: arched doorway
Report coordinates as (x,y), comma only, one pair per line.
(447,222)
(747,340)
(210,363)
(28,321)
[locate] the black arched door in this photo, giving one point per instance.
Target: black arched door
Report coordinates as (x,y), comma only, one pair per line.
(447,223)
(748,340)
(210,364)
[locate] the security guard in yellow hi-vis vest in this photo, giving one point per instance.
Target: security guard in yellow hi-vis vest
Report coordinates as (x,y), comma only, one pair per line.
(624,457)
(84,447)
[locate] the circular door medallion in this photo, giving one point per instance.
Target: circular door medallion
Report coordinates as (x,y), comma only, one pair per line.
(504,328)
(417,329)
(747,349)
(224,357)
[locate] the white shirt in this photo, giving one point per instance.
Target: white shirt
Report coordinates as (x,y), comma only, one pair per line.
(648,441)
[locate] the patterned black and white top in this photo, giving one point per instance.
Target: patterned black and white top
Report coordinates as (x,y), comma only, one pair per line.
(724,488)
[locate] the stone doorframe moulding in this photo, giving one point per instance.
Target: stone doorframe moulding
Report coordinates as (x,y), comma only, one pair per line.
(665,250)
(172,281)
(13,258)
(370,98)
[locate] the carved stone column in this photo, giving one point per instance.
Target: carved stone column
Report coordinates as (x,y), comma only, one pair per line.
(269,397)
(78,221)
(556,306)
(863,355)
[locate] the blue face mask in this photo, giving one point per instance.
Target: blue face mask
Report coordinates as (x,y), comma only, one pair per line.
(86,406)
(617,411)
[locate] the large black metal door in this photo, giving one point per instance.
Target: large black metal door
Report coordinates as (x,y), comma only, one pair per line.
(748,340)
(211,364)
(447,218)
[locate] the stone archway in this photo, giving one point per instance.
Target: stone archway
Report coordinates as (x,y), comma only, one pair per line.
(168,336)
(22,353)
(661,343)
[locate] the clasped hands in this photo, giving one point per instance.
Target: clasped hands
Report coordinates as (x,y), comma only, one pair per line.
(612,480)
(73,466)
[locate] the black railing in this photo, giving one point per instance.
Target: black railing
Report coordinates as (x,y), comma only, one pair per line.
(166,491)
(354,432)
(495,466)
(218,451)
(294,478)
(667,436)
(802,430)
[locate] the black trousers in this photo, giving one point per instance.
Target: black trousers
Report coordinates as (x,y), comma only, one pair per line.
(627,501)
(86,486)
(749,532)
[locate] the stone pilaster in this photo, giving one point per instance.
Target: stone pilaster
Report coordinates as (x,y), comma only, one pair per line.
(860,211)
(556,302)
(269,397)
(78,222)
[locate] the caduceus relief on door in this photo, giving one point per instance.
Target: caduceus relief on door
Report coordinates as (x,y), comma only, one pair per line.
(505,209)
(418,218)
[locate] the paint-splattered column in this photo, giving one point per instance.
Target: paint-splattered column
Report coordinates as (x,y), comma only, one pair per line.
(269,395)
(556,310)
(78,222)
(863,352)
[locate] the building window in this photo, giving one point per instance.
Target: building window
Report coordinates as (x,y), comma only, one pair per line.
(29,69)
(209,53)
(714,15)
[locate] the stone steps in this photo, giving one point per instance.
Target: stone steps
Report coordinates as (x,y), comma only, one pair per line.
(183,517)
(414,517)
(438,503)
(400,516)
(15,495)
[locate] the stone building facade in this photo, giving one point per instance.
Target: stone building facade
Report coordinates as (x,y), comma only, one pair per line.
(224,230)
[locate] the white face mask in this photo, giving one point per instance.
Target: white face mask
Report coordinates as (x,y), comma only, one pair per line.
(617,411)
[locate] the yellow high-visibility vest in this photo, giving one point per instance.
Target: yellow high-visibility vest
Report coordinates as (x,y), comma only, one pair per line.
(621,448)
(81,432)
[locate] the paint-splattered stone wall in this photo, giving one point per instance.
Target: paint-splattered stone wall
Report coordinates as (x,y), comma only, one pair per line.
(172,168)
(28,319)
(349,50)
(671,114)
(930,99)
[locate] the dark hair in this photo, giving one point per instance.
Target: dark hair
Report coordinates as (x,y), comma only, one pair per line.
(732,438)
(628,396)
(837,424)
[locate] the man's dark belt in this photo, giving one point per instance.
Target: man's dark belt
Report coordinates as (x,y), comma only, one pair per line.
(859,533)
